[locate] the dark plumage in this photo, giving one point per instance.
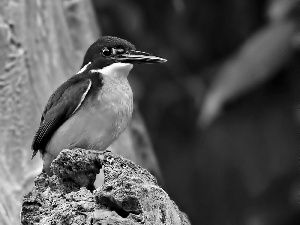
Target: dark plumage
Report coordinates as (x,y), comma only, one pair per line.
(62,104)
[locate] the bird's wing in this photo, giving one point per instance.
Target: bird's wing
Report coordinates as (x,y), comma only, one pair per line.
(63,103)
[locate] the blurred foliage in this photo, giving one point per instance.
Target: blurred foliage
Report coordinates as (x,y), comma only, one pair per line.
(233,70)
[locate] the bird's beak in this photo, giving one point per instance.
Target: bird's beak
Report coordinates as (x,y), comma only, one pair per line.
(139,57)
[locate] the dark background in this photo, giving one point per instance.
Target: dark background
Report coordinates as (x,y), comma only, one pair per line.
(236,163)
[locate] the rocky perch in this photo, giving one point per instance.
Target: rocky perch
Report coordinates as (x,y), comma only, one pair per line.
(128,195)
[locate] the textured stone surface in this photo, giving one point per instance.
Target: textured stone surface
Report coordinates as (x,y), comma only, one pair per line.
(129,194)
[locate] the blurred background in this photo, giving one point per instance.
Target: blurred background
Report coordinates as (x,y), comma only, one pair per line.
(223,112)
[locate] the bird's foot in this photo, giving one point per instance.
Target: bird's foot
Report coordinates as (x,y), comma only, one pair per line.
(91,151)
(97,153)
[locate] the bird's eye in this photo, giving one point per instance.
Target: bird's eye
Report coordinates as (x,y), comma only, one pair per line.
(107,51)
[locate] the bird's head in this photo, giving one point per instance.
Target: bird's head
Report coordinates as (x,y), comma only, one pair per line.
(116,52)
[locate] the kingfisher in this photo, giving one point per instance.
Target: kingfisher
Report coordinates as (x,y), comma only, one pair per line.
(92,108)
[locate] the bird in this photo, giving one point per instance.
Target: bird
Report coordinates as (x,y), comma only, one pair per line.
(93,107)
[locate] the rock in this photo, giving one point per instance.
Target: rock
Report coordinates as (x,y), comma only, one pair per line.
(129,194)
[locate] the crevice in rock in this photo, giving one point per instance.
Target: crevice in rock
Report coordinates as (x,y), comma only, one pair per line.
(27,204)
(114,207)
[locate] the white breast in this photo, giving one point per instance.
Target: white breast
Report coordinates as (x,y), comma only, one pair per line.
(98,122)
